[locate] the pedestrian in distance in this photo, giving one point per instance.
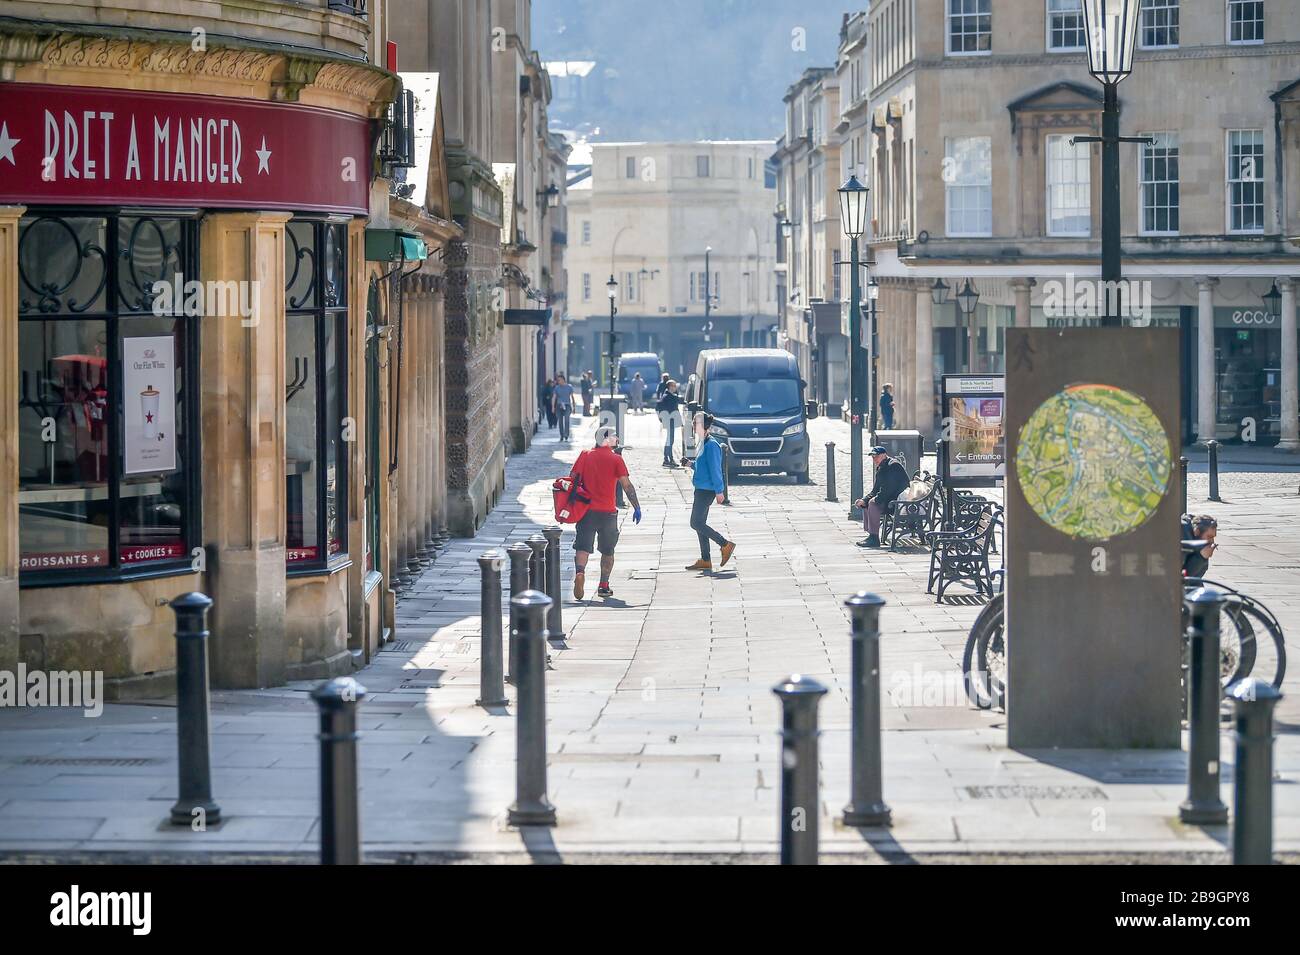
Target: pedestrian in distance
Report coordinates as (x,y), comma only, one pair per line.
(891,481)
(662,386)
(1199,527)
(601,468)
(668,407)
(548,402)
(562,403)
(887,406)
(636,393)
(709,487)
(588,385)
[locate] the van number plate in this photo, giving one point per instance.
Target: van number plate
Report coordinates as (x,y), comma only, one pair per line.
(755,462)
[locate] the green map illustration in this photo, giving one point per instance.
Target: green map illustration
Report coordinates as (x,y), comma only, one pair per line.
(1093,461)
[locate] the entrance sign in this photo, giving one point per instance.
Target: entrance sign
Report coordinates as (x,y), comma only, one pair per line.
(149,405)
(1094,586)
(975,452)
(79,145)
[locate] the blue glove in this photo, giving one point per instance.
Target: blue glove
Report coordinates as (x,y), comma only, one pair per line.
(636,516)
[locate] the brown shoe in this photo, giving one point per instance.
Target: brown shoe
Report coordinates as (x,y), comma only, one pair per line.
(700,565)
(728,549)
(578,580)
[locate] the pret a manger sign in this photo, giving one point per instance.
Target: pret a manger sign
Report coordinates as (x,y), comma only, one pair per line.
(70,144)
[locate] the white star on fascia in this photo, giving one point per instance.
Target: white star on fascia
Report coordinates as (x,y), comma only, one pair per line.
(263,159)
(7,144)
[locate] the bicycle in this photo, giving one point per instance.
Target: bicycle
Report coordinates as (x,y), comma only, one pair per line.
(1241,649)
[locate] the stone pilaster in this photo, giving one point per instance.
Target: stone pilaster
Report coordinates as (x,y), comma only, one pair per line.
(9,550)
(1290,439)
(1021,289)
(243,453)
(1206,386)
(923,398)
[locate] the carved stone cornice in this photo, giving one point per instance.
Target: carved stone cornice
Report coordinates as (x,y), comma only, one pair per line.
(357,81)
(146,56)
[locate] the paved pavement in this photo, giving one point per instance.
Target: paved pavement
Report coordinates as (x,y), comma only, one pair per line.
(661,720)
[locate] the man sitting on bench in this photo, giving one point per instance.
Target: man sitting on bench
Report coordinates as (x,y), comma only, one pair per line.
(891,481)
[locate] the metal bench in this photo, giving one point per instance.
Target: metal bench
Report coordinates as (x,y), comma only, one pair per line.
(964,554)
(914,519)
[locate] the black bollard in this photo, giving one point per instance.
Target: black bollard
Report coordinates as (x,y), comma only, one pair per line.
(1203,807)
(537,563)
(340,822)
(194,803)
(554,616)
(830,472)
(1252,788)
(800,800)
(521,556)
(531,807)
(866,803)
(492,691)
(1182,470)
(1213,447)
(726,473)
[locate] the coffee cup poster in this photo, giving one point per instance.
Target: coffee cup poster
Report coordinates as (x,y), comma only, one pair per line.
(149,400)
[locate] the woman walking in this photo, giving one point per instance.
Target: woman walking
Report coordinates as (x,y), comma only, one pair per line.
(707,480)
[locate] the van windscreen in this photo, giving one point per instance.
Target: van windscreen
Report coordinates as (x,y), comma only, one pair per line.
(753,396)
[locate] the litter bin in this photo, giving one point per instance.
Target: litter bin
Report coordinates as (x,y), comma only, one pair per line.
(907,446)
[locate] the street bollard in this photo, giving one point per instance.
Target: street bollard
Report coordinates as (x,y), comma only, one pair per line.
(537,563)
(1213,447)
(800,800)
(726,473)
(492,691)
(1252,796)
(866,803)
(194,805)
(1203,807)
(340,821)
(1182,470)
(531,807)
(520,557)
(830,472)
(554,616)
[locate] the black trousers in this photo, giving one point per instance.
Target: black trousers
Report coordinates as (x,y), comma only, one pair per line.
(699,522)
(669,438)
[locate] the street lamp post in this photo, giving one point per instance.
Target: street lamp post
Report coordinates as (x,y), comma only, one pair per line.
(612,288)
(1110,29)
(967,299)
(853,216)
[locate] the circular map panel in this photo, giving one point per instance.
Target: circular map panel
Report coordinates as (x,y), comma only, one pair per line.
(1093,461)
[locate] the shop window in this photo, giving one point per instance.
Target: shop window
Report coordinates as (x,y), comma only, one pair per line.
(315,394)
(107,422)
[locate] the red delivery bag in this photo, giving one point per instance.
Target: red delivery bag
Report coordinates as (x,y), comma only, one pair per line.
(571,497)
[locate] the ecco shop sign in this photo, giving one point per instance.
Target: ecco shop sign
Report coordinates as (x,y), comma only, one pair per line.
(69,144)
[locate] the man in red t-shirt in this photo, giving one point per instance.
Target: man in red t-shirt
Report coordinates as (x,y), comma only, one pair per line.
(601,470)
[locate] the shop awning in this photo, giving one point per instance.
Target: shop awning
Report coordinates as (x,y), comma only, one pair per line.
(394,245)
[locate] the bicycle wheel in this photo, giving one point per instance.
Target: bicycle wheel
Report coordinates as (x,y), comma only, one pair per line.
(1267,651)
(991,656)
(981,688)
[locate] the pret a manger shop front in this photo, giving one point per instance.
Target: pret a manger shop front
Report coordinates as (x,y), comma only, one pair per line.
(182,285)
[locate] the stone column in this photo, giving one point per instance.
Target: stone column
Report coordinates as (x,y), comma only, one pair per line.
(923,399)
(242,381)
(1206,392)
(355,451)
(1290,440)
(9,548)
(1021,289)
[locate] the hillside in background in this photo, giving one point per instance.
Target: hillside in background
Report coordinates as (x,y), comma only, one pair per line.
(680,69)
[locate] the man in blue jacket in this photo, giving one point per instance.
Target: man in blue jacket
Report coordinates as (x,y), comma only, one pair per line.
(707,479)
